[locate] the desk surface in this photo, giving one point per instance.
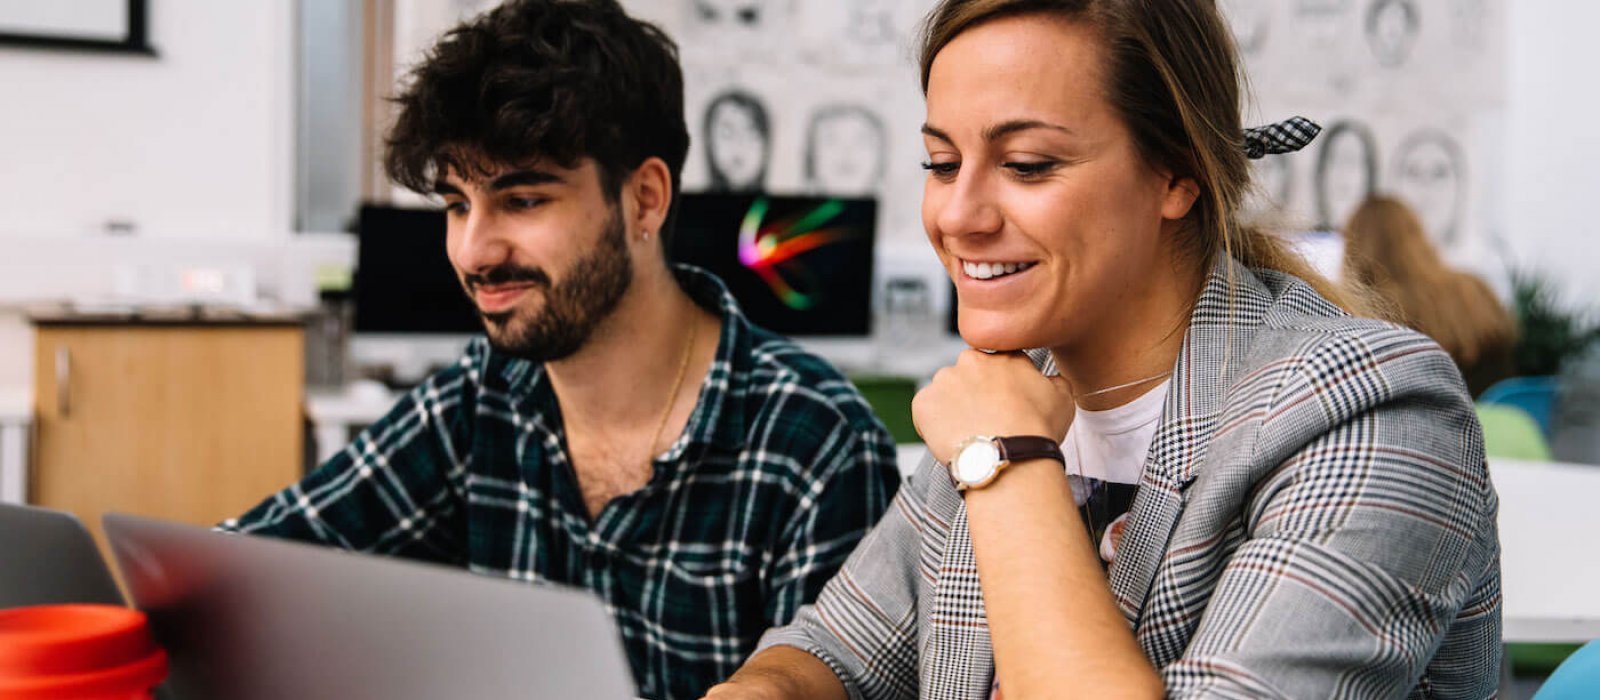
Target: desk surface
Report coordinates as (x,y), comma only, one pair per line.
(1550,561)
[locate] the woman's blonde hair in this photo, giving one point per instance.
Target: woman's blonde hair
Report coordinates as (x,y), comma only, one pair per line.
(1173,76)
(1387,251)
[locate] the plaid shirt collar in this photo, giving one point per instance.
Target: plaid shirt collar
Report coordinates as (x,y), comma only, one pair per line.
(713,422)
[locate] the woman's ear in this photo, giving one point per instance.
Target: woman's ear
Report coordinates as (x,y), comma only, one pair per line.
(1180,197)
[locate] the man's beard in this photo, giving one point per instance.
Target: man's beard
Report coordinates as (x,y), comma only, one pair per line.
(571,310)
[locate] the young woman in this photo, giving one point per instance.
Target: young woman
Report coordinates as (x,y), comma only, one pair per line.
(1386,249)
(1308,512)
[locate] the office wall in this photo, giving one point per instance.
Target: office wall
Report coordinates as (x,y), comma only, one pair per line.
(197,141)
(192,148)
(1552,144)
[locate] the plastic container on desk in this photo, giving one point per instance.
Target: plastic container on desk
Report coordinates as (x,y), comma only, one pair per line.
(89,652)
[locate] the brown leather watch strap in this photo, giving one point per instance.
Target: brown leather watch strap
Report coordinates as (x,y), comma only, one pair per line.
(1024,447)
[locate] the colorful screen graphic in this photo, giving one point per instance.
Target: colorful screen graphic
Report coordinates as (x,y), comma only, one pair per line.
(797,265)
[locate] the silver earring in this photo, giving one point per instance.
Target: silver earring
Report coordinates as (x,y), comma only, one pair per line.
(646,236)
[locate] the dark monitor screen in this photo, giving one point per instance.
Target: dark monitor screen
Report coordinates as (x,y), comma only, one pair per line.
(403,281)
(797,265)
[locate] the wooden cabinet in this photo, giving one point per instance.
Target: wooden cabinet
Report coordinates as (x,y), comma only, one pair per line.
(193,422)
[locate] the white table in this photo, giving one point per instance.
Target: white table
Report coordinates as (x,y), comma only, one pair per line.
(1550,549)
(334,413)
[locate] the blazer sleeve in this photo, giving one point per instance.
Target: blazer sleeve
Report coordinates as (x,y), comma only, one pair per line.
(1370,533)
(864,623)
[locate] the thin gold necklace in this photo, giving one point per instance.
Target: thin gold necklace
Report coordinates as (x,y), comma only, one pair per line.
(677,384)
(1136,382)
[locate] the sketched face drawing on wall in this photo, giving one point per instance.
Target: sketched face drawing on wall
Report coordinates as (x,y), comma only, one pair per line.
(1430,174)
(1392,27)
(1321,23)
(1251,21)
(736,13)
(1347,172)
(738,142)
(871,23)
(845,147)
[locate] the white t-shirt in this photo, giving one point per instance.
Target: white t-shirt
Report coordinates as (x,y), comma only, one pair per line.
(1105,452)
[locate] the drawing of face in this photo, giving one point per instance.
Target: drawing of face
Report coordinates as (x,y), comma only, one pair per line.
(736,135)
(845,151)
(1321,22)
(1392,30)
(1429,175)
(1346,172)
(1249,20)
(871,22)
(739,13)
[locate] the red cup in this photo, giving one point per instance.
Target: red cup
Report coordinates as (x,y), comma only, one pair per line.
(93,652)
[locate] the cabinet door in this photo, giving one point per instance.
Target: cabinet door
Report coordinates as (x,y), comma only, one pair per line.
(186,423)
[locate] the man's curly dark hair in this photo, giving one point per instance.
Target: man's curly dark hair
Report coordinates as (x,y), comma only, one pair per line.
(556,80)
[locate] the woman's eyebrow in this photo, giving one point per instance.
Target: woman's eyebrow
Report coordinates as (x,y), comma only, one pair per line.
(1001,130)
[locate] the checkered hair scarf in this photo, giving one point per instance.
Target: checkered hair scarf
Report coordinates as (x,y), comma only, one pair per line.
(1287,136)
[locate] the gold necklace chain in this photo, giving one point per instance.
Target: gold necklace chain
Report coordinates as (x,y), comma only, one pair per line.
(672,397)
(1136,382)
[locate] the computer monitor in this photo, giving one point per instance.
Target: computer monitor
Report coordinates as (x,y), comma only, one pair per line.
(411,316)
(799,266)
(403,280)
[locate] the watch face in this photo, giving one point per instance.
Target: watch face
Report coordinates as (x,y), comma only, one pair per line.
(977,461)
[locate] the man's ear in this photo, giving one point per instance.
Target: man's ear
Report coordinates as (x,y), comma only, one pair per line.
(1180,197)
(650,188)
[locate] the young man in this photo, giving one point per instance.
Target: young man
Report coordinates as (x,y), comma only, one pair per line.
(622,427)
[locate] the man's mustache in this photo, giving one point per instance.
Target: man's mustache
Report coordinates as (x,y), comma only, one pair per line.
(507,274)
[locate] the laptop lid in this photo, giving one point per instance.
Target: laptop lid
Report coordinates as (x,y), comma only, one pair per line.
(248,617)
(47,557)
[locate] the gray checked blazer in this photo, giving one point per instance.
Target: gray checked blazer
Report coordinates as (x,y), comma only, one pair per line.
(1314,520)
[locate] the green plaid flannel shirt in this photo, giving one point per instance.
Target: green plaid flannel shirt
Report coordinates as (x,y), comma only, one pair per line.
(780,471)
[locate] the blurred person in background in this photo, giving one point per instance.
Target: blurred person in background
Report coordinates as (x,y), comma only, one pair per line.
(1387,250)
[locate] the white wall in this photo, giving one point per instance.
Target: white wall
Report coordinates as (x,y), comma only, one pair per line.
(198,141)
(194,148)
(1552,145)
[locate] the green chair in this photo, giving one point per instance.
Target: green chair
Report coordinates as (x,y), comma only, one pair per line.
(890,398)
(1509,432)
(1537,659)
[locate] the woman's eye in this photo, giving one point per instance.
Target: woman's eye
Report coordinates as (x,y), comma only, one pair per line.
(942,170)
(1028,169)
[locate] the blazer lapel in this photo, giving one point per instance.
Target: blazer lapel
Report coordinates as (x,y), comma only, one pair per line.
(1230,308)
(958,659)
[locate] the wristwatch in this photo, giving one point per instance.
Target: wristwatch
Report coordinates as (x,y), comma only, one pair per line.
(980,458)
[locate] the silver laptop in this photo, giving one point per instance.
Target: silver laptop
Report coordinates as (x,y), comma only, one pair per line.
(246,617)
(47,557)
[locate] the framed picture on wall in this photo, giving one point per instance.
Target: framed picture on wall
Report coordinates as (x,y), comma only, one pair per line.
(116,26)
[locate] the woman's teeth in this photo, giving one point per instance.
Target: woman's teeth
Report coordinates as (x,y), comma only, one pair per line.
(985,271)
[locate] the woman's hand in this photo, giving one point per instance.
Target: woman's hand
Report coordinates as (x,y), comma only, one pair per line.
(982,394)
